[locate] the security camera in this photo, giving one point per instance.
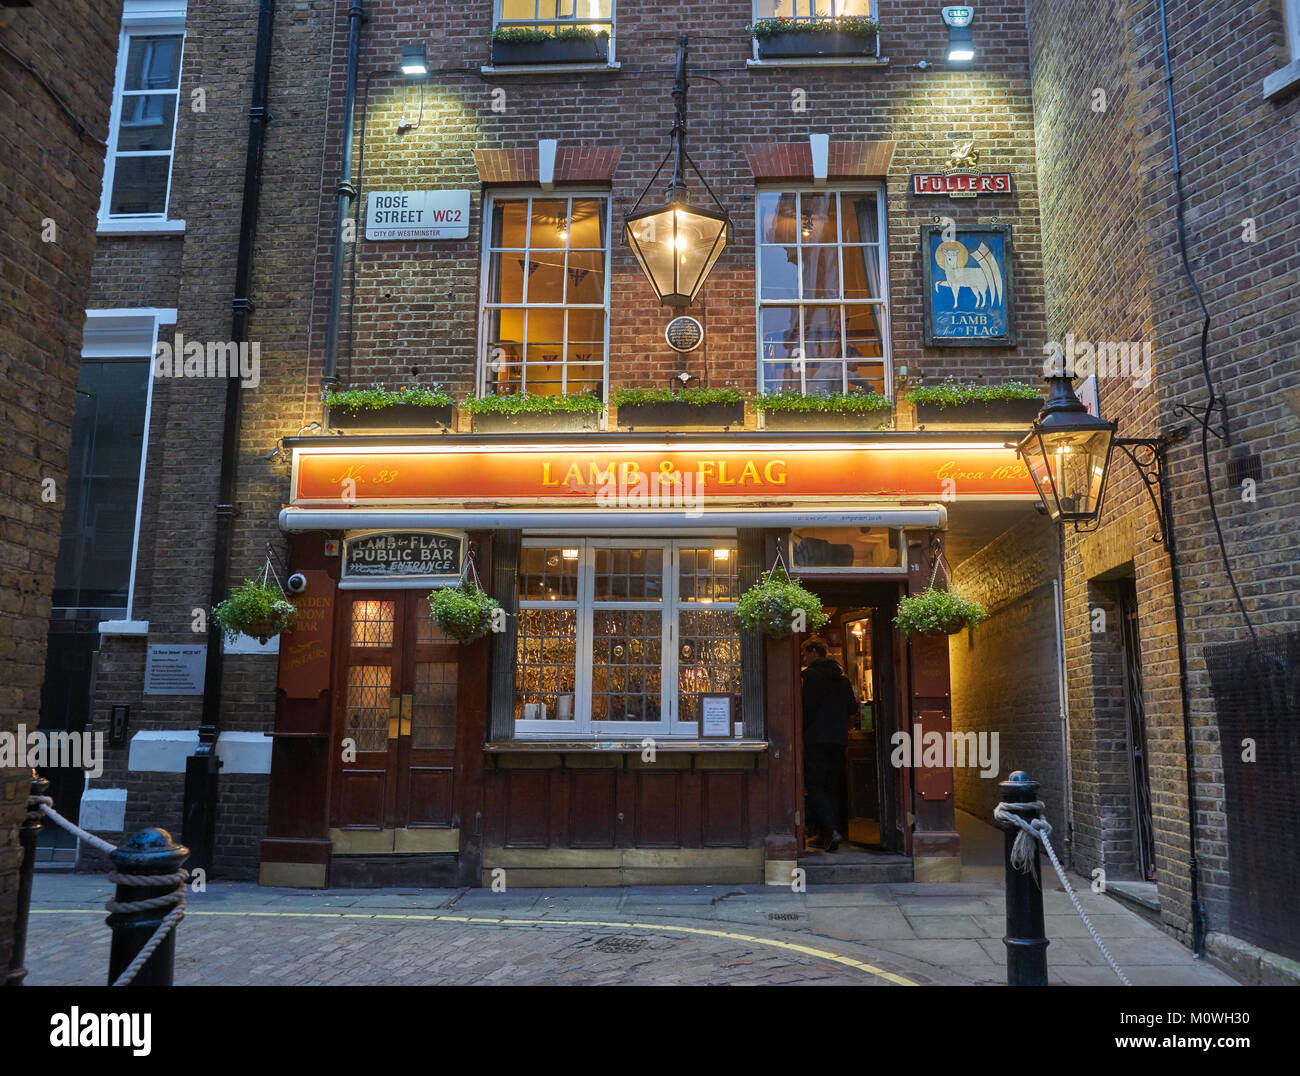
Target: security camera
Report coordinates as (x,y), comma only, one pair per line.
(297,583)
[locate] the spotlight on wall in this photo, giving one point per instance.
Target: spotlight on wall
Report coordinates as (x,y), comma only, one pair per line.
(961,44)
(414,64)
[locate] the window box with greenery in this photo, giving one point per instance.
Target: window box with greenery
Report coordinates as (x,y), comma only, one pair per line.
(563,45)
(937,612)
(1012,403)
(529,412)
(259,609)
(380,408)
(664,408)
(815,37)
(856,409)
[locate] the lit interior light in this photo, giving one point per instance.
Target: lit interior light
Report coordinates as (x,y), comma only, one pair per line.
(722,554)
(570,554)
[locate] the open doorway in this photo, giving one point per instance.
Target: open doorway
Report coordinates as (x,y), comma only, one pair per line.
(861,640)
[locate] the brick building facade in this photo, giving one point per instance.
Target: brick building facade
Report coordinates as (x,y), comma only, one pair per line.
(413,313)
(51,158)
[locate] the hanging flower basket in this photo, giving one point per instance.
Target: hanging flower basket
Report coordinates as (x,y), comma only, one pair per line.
(938,612)
(464,611)
(257,609)
(776,605)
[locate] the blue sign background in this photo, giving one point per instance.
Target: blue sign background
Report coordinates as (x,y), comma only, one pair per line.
(980,310)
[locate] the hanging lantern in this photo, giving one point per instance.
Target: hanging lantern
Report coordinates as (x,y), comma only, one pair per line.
(1068,455)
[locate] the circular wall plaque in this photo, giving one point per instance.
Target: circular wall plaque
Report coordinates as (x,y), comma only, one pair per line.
(684,334)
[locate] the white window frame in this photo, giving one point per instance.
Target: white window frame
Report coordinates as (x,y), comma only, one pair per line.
(142,18)
(805,11)
(537,194)
(129,333)
(611,22)
(581,725)
(1291,13)
(886,346)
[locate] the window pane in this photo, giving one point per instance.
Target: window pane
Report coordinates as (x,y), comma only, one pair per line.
(545,272)
(545,676)
(780,332)
(821,332)
(153,63)
(860,218)
(549,574)
(505,278)
(707,575)
(818,221)
(509,223)
(586,277)
(626,665)
(629,574)
(779,376)
(433,705)
(776,217)
(846,547)
(550,224)
(140,184)
(147,122)
(366,707)
(821,272)
(864,329)
(780,269)
(587,224)
(708,660)
(94,564)
(861,273)
(372,623)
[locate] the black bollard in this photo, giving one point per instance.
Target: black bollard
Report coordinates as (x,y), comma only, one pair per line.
(1026,941)
(27,836)
(150,851)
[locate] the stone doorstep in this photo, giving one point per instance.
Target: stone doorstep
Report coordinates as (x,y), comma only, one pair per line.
(1249,964)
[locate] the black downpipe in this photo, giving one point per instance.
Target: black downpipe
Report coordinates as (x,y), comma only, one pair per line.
(199,818)
(347,193)
(1198,924)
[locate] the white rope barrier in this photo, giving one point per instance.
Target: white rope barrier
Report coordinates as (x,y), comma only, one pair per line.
(1022,858)
(174,900)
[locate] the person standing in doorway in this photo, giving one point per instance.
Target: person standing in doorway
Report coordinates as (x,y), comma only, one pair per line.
(828,704)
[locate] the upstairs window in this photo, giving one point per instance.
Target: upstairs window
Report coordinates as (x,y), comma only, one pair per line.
(142,132)
(586,26)
(823,291)
(810,10)
(545,294)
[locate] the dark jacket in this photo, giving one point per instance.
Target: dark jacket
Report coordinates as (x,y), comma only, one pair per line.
(828,702)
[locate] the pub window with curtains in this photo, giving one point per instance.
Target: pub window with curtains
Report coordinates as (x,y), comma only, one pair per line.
(823,291)
(625,636)
(545,311)
(551,15)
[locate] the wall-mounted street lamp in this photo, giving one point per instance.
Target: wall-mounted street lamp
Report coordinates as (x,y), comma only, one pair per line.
(1068,453)
(961,43)
(677,243)
(414,65)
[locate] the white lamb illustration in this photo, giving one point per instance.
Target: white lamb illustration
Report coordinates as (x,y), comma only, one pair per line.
(984,278)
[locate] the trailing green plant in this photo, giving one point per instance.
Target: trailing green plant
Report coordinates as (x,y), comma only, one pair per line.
(855,401)
(377,398)
(950,394)
(530,35)
(938,612)
(519,403)
(463,611)
(776,605)
(697,397)
(255,608)
(849,25)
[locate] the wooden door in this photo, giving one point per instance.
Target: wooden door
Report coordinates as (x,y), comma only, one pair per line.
(397,690)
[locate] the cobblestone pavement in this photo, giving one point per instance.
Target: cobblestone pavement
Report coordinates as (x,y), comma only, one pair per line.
(241,934)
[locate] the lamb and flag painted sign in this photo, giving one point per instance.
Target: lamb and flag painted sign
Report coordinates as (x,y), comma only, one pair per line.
(961,177)
(968,297)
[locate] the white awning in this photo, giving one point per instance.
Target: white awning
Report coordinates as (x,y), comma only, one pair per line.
(296,520)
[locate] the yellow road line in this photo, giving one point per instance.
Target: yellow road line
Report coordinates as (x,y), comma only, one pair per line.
(806,950)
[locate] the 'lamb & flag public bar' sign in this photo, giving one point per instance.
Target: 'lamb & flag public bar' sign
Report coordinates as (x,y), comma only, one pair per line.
(402,553)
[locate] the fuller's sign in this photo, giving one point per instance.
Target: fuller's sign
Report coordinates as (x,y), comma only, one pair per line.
(961,184)
(417,215)
(402,553)
(624,476)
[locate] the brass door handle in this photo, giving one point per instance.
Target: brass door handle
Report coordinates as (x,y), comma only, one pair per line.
(394,716)
(407,702)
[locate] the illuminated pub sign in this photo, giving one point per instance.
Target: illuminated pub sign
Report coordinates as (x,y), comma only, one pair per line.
(649,476)
(402,553)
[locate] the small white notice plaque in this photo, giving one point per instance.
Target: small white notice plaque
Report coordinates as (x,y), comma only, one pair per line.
(417,215)
(715,716)
(174,670)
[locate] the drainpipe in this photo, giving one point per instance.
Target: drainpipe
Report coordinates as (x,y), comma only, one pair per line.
(347,193)
(199,818)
